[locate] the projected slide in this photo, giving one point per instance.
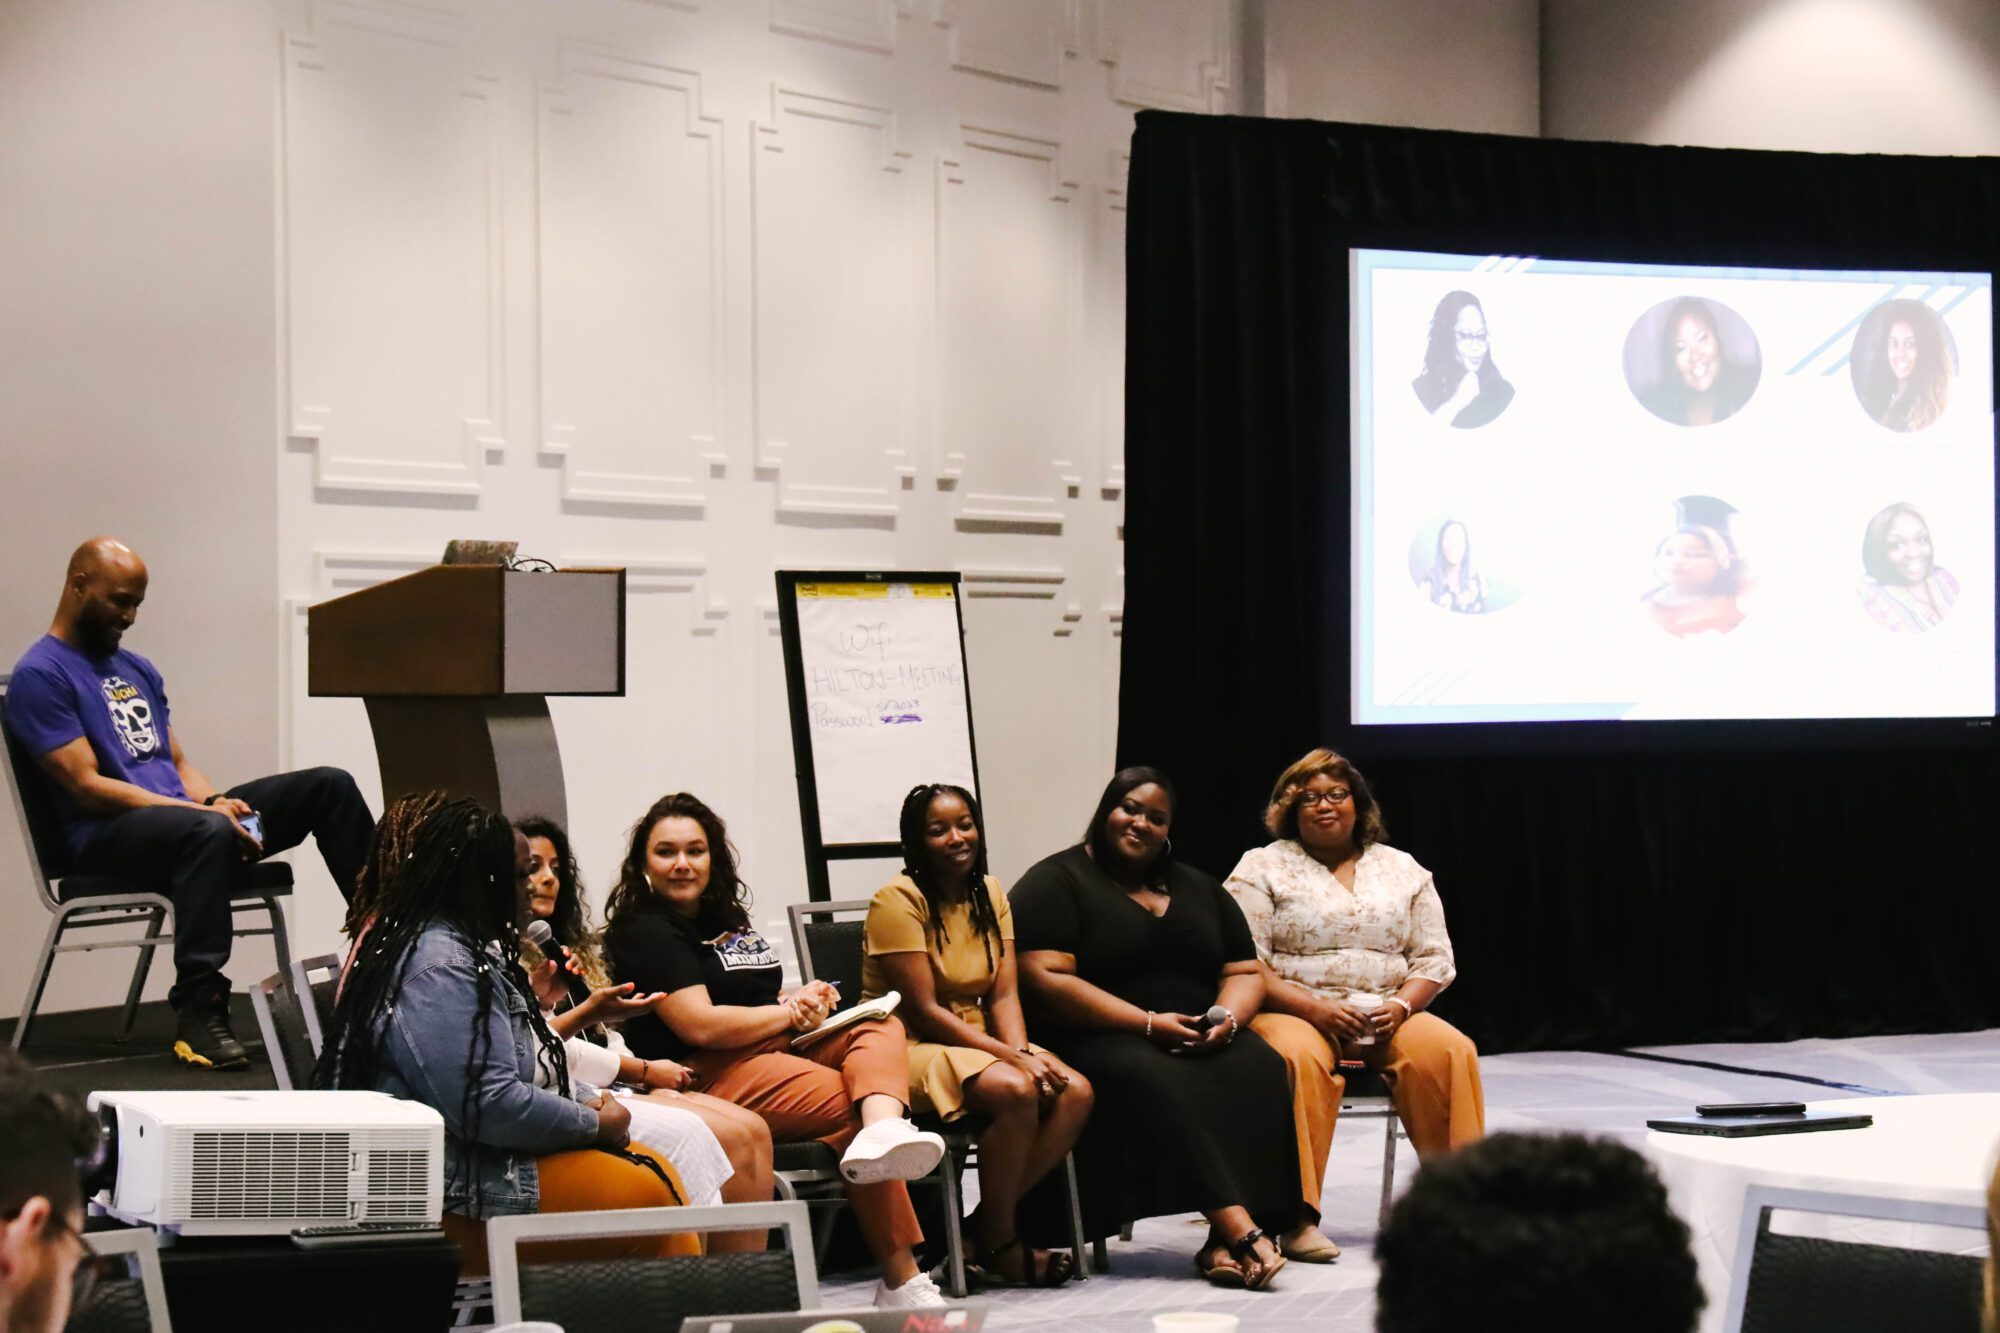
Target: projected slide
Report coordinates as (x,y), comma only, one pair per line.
(1605,491)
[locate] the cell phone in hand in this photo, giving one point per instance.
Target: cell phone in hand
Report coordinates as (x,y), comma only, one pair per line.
(253,824)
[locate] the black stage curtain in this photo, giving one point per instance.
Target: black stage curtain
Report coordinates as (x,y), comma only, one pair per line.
(1605,889)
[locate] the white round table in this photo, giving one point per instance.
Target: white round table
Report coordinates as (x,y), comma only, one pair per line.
(1924,1165)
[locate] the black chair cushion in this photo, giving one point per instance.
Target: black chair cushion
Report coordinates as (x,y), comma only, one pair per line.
(836,954)
(655,1295)
(117,1306)
(266,877)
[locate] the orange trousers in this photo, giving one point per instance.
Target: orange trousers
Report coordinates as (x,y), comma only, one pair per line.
(811,1094)
(1432,1070)
(581,1181)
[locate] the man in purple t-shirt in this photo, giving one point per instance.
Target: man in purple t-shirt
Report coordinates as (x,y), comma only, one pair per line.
(96,718)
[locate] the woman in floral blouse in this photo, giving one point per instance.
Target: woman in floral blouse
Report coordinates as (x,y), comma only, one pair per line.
(1352,938)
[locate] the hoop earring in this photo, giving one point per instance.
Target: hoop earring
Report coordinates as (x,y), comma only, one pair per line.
(1166,848)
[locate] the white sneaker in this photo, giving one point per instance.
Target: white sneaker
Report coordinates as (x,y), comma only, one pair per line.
(919,1293)
(891,1149)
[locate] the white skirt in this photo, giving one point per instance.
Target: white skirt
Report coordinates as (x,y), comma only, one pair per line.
(683,1138)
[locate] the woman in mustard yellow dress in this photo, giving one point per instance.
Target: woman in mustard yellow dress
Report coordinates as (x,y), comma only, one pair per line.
(941,934)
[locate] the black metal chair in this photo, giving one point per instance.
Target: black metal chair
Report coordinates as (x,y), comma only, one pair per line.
(82,901)
(293,1033)
(831,949)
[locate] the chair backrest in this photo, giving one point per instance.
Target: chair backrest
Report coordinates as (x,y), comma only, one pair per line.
(830,949)
(282,1020)
(41,829)
(319,978)
(128,1304)
(613,1295)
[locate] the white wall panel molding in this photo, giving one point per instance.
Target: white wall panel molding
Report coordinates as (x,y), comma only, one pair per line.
(390,259)
(630,203)
(334,574)
(1108,270)
(1009,315)
(868,25)
(647,576)
(984,583)
(1171,54)
(1021,41)
(834,272)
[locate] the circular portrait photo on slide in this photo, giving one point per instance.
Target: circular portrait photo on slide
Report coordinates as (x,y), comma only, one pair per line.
(1903,588)
(1698,581)
(1692,361)
(1903,361)
(1459,384)
(1446,566)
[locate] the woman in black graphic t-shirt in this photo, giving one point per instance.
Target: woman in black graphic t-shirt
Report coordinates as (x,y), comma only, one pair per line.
(678,927)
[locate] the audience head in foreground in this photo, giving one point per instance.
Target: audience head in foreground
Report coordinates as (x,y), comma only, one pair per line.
(42,1254)
(1555,1232)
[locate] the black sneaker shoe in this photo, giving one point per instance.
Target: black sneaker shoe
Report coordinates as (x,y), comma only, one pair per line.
(203,1035)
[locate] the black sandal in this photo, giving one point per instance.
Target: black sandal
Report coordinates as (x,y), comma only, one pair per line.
(1054,1269)
(1257,1273)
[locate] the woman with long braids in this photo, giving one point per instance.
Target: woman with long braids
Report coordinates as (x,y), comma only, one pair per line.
(434,1007)
(723,1152)
(941,935)
(679,928)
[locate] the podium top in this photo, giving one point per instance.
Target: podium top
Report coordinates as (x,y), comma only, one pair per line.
(472,631)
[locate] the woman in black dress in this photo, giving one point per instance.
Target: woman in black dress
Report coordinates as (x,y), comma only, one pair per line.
(1124,954)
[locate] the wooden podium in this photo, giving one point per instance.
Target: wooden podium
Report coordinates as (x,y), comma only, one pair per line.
(456,663)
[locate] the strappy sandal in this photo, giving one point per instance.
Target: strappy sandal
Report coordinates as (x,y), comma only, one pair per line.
(1214,1263)
(1051,1270)
(1257,1273)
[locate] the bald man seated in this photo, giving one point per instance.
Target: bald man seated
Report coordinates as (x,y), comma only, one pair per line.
(132,804)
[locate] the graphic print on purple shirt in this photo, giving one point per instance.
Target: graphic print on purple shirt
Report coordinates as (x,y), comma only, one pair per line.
(117,702)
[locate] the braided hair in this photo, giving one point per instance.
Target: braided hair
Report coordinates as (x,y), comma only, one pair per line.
(388,850)
(433,861)
(913,825)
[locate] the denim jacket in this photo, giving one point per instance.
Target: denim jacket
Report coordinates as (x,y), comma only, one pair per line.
(427,1040)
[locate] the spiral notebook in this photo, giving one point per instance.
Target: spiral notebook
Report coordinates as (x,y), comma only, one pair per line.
(879,1007)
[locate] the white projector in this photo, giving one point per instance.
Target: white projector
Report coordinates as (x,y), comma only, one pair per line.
(261,1163)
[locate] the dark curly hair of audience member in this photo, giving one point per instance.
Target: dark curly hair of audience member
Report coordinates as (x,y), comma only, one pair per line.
(1560,1232)
(458,868)
(917,860)
(50,1139)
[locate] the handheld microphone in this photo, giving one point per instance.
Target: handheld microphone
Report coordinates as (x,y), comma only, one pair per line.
(1216,1016)
(543,938)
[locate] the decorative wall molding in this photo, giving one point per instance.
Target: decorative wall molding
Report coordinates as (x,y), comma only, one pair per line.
(1148,69)
(647,576)
(984,583)
(981,150)
(601,226)
(805,284)
(1110,268)
(324,209)
(867,25)
(1020,41)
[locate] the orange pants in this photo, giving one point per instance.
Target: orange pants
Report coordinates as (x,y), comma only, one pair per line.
(582,1181)
(812,1093)
(1432,1070)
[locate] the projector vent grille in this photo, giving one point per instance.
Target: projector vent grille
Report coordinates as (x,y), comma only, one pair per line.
(250,1174)
(398,1185)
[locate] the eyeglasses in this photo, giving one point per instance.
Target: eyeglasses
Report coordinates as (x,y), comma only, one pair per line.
(1478,337)
(1331,796)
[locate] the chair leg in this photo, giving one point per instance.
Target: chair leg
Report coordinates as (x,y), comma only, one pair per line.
(39,982)
(139,971)
(279,942)
(1388,1172)
(1125,1231)
(1100,1255)
(954,1238)
(1076,1245)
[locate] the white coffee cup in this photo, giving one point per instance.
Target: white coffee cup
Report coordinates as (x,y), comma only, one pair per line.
(1367,1004)
(1194,1321)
